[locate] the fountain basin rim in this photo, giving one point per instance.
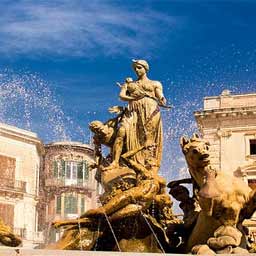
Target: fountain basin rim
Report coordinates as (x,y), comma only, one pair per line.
(15,251)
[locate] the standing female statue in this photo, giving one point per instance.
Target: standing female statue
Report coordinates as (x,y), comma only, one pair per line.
(131,182)
(141,126)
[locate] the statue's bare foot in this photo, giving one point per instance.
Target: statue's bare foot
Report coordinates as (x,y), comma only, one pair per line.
(94,212)
(112,166)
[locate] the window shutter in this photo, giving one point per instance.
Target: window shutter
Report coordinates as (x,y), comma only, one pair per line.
(86,170)
(74,204)
(58,204)
(80,170)
(62,168)
(55,168)
(82,205)
(68,169)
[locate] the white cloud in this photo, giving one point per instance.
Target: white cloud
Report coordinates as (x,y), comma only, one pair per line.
(76,28)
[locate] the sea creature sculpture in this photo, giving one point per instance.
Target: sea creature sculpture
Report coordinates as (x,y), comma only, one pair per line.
(7,237)
(225,202)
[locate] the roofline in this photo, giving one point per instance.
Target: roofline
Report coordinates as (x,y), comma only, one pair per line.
(22,135)
(18,131)
(73,144)
(230,95)
(251,109)
(32,138)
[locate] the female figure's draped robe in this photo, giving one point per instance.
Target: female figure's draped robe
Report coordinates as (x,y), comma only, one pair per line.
(143,124)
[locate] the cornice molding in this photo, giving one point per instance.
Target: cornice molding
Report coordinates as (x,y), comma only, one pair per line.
(226,112)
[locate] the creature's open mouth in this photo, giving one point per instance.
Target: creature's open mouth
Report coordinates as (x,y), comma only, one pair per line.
(204,157)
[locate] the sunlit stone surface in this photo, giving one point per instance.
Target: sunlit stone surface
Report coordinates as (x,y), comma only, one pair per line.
(228,122)
(28,252)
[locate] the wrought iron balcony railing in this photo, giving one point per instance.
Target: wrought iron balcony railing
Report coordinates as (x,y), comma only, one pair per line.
(21,232)
(37,237)
(62,182)
(10,184)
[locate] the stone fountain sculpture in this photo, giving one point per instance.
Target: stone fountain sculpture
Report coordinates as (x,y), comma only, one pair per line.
(136,213)
(135,209)
(7,237)
(224,200)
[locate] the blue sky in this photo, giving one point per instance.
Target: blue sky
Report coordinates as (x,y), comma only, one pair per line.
(60,61)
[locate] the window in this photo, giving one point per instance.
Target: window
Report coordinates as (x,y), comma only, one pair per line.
(7,173)
(73,172)
(252,147)
(82,205)
(55,169)
(59,168)
(86,170)
(58,204)
(70,203)
(80,170)
(67,168)
(7,214)
(252,183)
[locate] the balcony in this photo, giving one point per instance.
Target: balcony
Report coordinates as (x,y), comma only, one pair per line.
(62,182)
(15,185)
(21,232)
(37,237)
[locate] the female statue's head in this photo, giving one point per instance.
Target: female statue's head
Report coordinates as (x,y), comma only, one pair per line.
(140,67)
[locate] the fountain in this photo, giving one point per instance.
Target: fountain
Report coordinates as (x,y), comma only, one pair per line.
(135,207)
(136,213)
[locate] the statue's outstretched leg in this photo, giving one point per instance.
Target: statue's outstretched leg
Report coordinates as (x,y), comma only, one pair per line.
(117,149)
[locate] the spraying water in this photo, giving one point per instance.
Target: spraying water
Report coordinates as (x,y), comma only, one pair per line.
(27,102)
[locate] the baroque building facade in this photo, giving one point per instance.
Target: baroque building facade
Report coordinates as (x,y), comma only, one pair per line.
(228,122)
(67,186)
(42,183)
(20,158)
